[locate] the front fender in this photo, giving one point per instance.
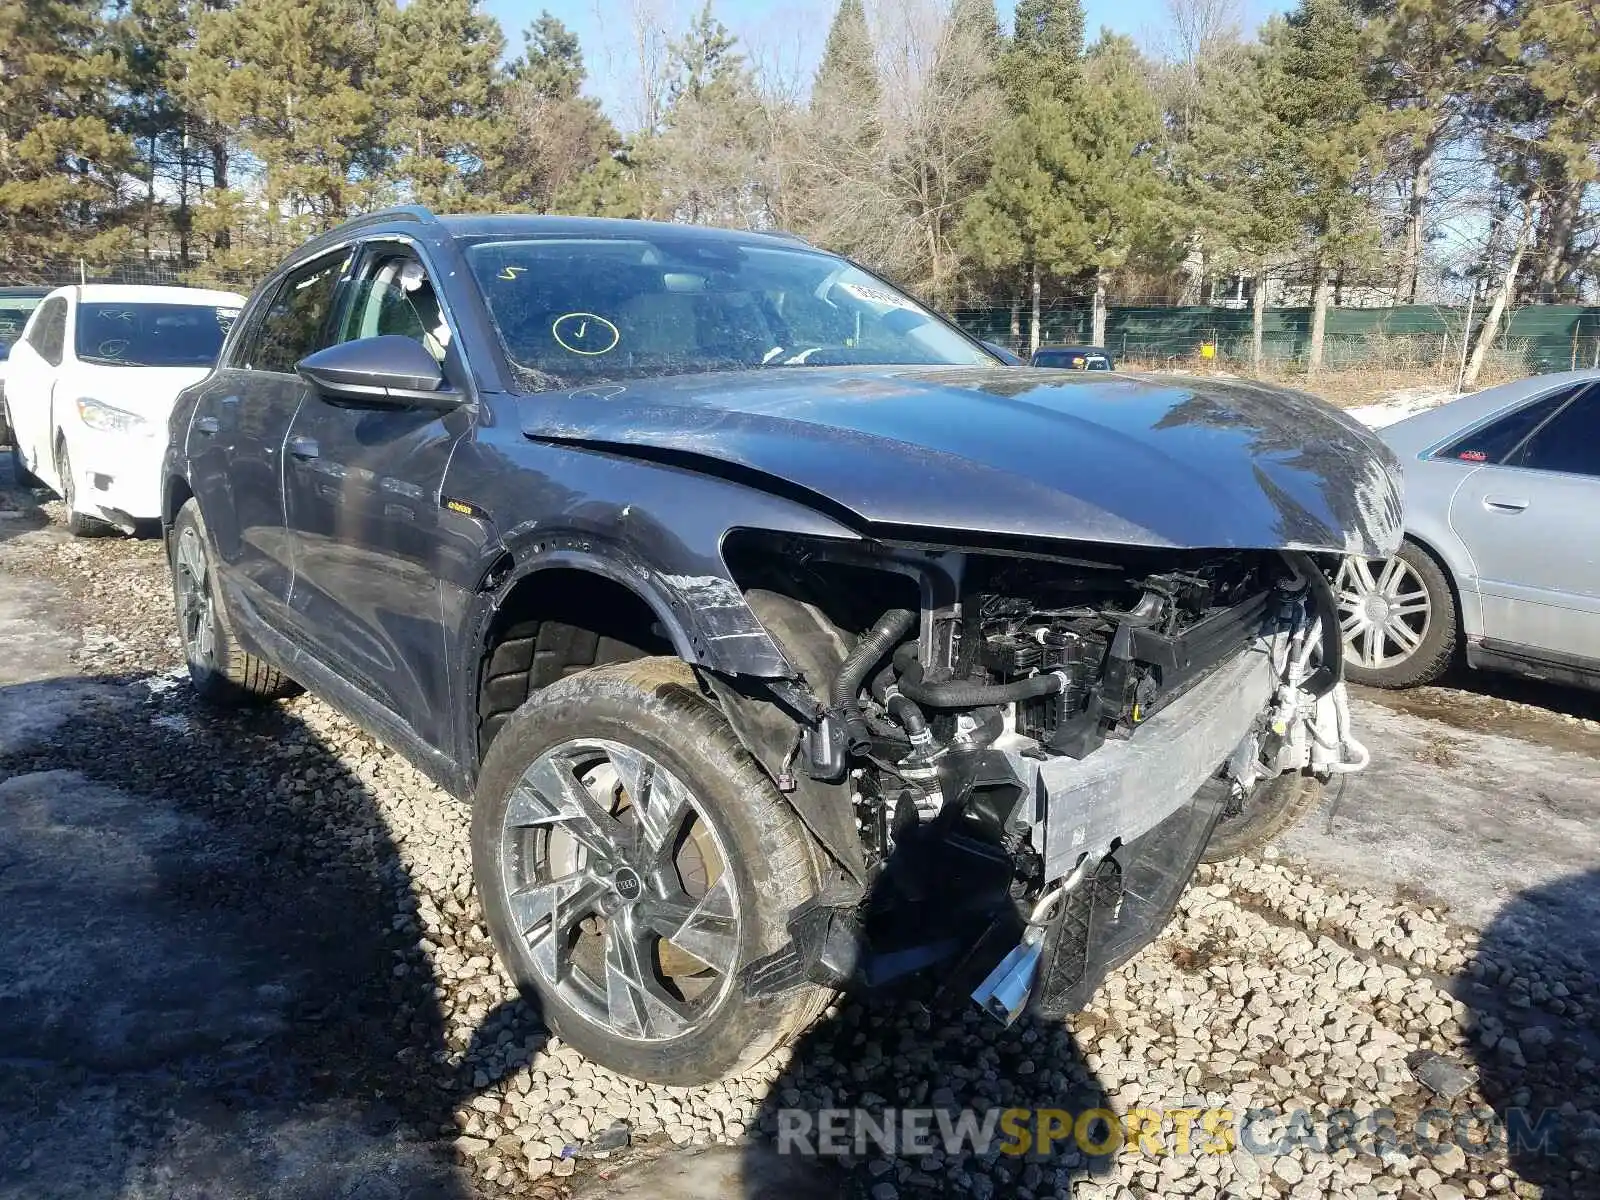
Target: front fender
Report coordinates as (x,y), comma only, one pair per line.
(704,615)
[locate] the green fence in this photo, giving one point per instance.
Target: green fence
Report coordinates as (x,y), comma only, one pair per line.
(1546,337)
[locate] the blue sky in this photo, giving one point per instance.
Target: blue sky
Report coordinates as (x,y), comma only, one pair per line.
(785,38)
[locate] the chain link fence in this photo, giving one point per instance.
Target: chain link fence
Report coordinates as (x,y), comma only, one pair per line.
(152,271)
(1419,337)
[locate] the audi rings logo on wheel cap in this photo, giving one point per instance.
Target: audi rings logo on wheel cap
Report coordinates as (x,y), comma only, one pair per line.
(627,883)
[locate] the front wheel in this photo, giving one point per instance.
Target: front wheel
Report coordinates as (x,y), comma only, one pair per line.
(633,859)
(1268,810)
(79,524)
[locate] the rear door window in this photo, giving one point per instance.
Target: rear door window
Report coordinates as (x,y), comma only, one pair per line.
(1495,441)
(1569,441)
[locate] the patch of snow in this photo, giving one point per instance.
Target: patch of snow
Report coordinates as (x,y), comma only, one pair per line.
(160,685)
(176,722)
(1398,405)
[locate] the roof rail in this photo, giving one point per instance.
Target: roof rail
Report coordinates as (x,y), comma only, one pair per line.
(400,212)
(342,231)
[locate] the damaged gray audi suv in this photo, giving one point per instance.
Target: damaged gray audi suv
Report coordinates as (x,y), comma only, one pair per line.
(783,640)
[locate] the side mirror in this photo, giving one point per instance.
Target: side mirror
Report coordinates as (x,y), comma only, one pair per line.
(1009,357)
(388,371)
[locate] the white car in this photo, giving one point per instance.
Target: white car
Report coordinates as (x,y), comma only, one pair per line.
(89,387)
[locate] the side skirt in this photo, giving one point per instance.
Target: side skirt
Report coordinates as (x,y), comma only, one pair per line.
(1551,666)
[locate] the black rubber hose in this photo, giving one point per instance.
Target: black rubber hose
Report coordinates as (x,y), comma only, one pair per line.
(964,694)
(904,709)
(877,642)
(900,706)
(1331,670)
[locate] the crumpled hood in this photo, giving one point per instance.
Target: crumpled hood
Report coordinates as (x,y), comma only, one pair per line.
(1161,461)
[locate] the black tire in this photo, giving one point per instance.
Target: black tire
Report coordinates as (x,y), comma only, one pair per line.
(222,673)
(1272,807)
(78,524)
(1440,641)
(652,705)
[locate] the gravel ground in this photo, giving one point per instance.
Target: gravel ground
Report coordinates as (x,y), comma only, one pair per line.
(382,1052)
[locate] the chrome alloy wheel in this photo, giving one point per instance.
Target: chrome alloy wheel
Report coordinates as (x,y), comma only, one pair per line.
(621,890)
(1384,611)
(196,612)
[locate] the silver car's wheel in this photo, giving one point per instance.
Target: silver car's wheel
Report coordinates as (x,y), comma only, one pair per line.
(1384,611)
(1397,618)
(621,890)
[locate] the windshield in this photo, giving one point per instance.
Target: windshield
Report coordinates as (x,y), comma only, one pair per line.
(1076,360)
(572,311)
(14,312)
(122,334)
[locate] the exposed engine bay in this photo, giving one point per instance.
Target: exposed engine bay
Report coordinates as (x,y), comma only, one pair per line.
(1037,750)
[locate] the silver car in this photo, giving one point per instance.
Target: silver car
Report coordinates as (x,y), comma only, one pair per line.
(1501,560)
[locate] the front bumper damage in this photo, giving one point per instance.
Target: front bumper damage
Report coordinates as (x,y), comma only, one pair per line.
(1085,807)
(1124,829)
(1029,833)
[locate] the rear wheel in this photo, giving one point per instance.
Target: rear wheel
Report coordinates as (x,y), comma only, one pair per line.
(222,673)
(1397,618)
(20,474)
(633,859)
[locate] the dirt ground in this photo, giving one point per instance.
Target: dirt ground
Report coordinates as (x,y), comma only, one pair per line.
(240,957)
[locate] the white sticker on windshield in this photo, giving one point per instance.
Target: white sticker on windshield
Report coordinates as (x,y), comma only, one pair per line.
(874,295)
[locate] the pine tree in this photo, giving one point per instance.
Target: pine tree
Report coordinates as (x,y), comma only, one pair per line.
(1425,59)
(552,60)
(613,187)
(442,102)
(146,39)
(559,150)
(846,85)
(299,81)
(707,59)
(62,164)
(839,140)
(1235,183)
(1075,188)
(707,165)
(1558,47)
(1331,131)
(1046,48)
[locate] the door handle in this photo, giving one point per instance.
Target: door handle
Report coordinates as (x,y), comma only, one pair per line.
(207,425)
(304,448)
(1505,504)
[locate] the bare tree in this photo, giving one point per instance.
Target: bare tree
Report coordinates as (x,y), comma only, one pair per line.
(1193,28)
(1503,294)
